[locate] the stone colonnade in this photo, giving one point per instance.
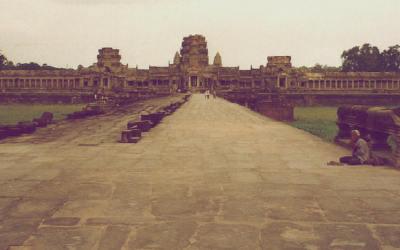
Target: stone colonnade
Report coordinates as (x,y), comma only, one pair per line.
(195,81)
(352,84)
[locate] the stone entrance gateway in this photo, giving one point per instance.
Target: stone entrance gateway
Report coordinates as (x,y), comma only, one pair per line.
(193,81)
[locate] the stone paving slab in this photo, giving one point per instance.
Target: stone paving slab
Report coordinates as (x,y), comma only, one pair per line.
(214,175)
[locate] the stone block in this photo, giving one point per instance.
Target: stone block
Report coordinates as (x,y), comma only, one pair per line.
(27,127)
(14,131)
(79,114)
(136,133)
(145,117)
(114,238)
(144,126)
(134,139)
(126,136)
(131,125)
(91,112)
(40,122)
(67,221)
(48,116)
(3,133)
(153,118)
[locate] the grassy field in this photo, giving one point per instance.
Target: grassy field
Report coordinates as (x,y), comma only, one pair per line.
(319,121)
(12,114)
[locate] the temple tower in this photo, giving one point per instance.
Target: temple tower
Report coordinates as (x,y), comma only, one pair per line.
(177,58)
(109,57)
(194,55)
(218,60)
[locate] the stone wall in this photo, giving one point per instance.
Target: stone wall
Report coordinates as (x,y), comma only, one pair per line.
(307,99)
(45,98)
(279,113)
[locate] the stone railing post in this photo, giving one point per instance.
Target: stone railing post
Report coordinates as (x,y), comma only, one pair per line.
(344,130)
(396,152)
(379,141)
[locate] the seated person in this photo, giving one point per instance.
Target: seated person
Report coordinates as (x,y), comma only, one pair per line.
(360,154)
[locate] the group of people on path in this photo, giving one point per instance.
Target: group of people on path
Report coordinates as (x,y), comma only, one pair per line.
(207,94)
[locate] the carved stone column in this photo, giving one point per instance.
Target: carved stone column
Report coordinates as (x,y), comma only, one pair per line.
(379,141)
(344,131)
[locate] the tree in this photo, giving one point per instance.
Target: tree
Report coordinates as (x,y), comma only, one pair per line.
(3,61)
(391,59)
(9,65)
(319,68)
(364,59)
(370,59)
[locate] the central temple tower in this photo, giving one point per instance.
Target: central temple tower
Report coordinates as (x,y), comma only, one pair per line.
(193,59)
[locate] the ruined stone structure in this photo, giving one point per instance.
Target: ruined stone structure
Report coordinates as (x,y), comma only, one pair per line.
(191,71)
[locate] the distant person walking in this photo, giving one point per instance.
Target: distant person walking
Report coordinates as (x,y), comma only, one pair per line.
(214,94)
(205,94)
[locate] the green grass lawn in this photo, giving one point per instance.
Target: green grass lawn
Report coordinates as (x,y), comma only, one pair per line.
(12,114)
(319,121)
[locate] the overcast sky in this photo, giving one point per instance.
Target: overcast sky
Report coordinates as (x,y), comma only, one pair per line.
(149,32)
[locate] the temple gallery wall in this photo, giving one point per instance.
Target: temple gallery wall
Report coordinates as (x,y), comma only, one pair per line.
(192,71)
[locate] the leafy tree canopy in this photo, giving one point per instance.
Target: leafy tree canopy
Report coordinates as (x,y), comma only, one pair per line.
(3,60)
(391,59)
(319,68)
(367,58)
(9,65)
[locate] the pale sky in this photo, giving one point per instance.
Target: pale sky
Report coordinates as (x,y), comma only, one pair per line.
(149,32)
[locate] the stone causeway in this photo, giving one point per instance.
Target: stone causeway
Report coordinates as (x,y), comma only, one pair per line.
(212,175)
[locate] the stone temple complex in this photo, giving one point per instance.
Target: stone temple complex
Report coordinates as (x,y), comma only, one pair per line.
(192,71)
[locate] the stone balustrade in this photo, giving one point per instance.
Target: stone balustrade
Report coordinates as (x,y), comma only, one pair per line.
(375,124)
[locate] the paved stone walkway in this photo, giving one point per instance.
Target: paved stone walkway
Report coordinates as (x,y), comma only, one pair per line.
(214,175)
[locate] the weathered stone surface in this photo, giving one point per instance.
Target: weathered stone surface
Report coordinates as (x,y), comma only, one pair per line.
(35,208)
(42,174)
(6,205)
(177,207)
(345,236)
(92,192)
(129,188)
(17,188)
(297,209)
(67,221)
(213,175)
(168,235)
(243,210)
(50,238)
(51,190)
(127,207)
(389,235)
(81,208)
(226,236)
(124,221)
(287,236)
(114,238)
(16,230)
